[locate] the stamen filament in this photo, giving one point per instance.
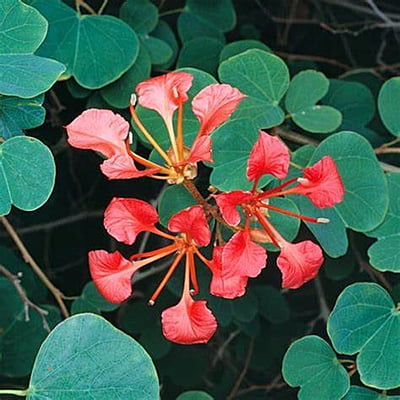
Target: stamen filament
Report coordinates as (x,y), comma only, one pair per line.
(158,232)
(143,161)
(165,249)
(202,258)
(148,136)
(172,139)
(164,281)
(192,270)
(163,253)
(179,132)
(269,229)
(253,189)
(277,190)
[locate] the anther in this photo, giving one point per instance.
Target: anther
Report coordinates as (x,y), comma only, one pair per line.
(130,137)
(175,92)
(302,180)
(323,220)
(133,99)
(151,303)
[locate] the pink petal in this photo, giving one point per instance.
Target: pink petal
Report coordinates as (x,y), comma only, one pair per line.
(163,93)
(111,273)
(242,257)
(299,263)
(123,167)
(201,150)
(214,105)
(193,222)
(227,203)
(189,322)
(99,130)
(268,156)
(322,183)
(230,287)
(124,218)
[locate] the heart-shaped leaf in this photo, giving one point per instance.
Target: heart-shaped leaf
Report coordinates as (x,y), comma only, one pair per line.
(240,46)
(264,78)
(365,321)
(388,101)
(27,173)
(140,15)
(312,364)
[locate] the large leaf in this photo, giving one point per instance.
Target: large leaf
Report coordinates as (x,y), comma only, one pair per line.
(305,90)
(22,28)
(365,321)
(86,357)
(388,102)
(264,78)
(140,15)
(311,364)
(27,75)
(17,114)
(96,49)
(27,173)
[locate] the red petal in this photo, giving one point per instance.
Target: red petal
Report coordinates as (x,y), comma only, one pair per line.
(163,93)
(122,167)
(299,263)
(201,150)
(322,183)
(242,257)
(99,130)
(230,287)
(268,156)
(188,322)
(227,203)
(124,218)
(191,221)
(111,273)
(214,105)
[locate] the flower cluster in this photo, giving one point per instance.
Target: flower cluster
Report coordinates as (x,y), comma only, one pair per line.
(246,213)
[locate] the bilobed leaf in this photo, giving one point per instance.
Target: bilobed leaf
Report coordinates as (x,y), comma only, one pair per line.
(264,78)
(27,173)
(235,48)
(99,362)
(27,75)
(22,28)
(17,114)
(140,15)
(388,102)
(311,364)
(365,321)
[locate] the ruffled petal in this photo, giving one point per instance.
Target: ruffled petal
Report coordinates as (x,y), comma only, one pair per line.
(322,183)
(214,104)
(125,218)
(99,130)
(242,257)
(123,167)
(189,322)
(230,287)
(299,263)
(192,221)
(111,273)
(201,150)
(163,93)
(228,202)
(268,156)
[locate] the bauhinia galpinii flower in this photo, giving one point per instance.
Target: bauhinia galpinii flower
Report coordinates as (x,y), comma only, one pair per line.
(245,213)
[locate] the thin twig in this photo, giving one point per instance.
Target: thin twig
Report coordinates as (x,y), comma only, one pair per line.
(102,7)
(38,271)
(276,383)
(221,350)
(325,60)
(14,279)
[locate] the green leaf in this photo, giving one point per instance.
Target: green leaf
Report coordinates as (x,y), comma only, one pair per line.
(22,28)
(311,364)
(361,393)
(264,78)
(164,32)
(140,15)
(27,173)
(388,101)
(340,268)
(99,362)
(245,308)
(91,301)
(194,395)
(17,114)
(240,46)
(27,75)
(318,119)
(76,90)
(118,93)
(202,53)
(160,52)
(96,49)
(272,305)
(365,321)
(20,339)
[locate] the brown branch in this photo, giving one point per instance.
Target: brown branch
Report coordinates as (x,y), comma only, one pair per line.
(276,383)
(14,279)
(58,295)
(309,57)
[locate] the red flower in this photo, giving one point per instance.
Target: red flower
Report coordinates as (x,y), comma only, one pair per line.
(228,202)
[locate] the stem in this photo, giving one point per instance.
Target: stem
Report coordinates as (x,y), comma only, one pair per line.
(87,7)
(58,295)
(171,12)
(179,132)
(191,187)
(13,392)
(387,150)
(103,6)
(269,229)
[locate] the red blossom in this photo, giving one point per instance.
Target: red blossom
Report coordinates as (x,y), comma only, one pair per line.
(125,218)
(228,202)
(299,263)
(268,156)
(201,150)
(214,105)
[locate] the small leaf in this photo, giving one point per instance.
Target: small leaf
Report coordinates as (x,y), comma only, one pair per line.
(272,305)
(99,362)
(365,321)
(388,101)
(245,308)
(194,395)
(160,52)
(318,119)
(311,364)
(240,46)
(164,32)
(140,15)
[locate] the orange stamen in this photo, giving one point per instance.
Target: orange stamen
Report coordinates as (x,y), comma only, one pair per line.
(192,271)
(142,160)
(158,232)
(269,229)
(170,248)
(179,132)
(277,190)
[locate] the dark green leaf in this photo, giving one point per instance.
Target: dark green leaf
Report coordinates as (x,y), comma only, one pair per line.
(272,305)
(159,50)
(389,98)
(361,393)
(235,48)
(140,15)
(194,395)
